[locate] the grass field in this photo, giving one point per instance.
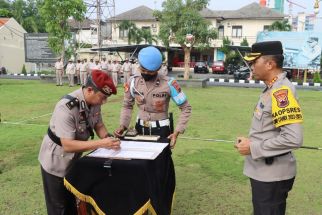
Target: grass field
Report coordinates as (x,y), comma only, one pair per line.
(209,174)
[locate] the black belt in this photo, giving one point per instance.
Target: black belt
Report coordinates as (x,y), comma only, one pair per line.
(270,160)
(53,137)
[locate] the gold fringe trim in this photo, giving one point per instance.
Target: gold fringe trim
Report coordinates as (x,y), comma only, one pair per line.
(90,200)
(83,197)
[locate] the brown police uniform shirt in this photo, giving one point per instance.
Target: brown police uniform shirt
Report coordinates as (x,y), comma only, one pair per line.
(153,100)
(276,129)
(69,124)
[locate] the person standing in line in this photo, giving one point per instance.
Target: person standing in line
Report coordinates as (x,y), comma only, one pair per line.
(115,71)
(109,68)
(276,130)
(91,66)
(59,68)
(104,65)
(83,72)
(78,71)
(152,93)
(163,70)
(126,69)
(70,72)
(74,118)
(97,64)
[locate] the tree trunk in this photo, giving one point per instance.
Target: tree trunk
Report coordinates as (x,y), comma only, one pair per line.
(186,63)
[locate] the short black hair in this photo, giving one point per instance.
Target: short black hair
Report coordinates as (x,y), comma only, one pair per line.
(90,83)
(278,59)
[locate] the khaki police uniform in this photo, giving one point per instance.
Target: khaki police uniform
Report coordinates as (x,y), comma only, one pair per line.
(276,130)
(70,72)
(104,66)
(83,72)
(127,69)
(153,101)
(70,123)
(78,64)
(115,68)
(59,68)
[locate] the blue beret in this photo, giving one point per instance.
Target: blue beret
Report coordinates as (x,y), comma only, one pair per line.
(150,58)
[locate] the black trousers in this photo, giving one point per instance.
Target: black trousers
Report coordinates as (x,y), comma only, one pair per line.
(162,189)
(59,200)
(269,198)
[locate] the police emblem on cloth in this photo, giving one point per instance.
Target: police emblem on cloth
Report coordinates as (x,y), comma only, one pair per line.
(107,90)
(281,98)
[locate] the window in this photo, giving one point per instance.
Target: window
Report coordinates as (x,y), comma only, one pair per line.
(146,28)
(237,31)
(123,33)
(221,33)
(266,27)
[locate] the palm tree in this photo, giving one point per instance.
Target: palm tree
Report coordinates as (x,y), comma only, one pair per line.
(147,36)
(280,26)
(131,28)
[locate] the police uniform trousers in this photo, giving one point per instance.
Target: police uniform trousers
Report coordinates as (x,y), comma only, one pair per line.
(59,200)
(161,189)
(269,198)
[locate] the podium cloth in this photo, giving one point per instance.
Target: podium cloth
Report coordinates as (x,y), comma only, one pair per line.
(133,187)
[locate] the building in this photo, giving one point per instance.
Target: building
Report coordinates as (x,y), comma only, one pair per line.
(303,22)
(12,51)
(245,22)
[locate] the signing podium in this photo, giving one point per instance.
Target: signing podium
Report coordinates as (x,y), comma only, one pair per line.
(138,179)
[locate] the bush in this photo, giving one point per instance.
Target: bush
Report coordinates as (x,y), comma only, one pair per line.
(23,70)
(317,77)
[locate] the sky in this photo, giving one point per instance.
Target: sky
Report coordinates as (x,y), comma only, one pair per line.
(125,5)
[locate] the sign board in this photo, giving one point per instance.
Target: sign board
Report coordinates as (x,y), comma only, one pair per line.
(302,50)
(37,49)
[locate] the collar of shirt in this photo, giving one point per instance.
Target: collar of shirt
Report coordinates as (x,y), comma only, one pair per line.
(274,80)
(82,103)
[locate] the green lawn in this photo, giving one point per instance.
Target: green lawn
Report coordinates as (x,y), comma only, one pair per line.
(209,174)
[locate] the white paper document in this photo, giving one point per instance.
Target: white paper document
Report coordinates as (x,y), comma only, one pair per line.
(131,150)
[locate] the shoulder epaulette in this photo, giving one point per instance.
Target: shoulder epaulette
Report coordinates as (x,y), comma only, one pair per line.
(73,101)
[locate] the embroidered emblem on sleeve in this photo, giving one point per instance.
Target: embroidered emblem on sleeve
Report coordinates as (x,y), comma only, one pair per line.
(176,93)
(285,108)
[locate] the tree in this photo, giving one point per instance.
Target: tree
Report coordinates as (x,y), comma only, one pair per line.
(147,36)
(131,29)
(181,23)
(55,14)
(244,42)
(280,26)
(231,57)
(5,9)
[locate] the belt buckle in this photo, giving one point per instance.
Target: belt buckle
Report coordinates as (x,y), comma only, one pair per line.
(146,123)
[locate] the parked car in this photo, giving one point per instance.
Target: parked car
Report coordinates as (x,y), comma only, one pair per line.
(242,73)
(218,67)
(201,67)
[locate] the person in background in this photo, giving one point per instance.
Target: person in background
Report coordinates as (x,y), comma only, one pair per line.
(126,69)
(164,69)
(59,68)
(83,72)
(115,71)
(91,66)
(276,130)
(74,118)
(152,93)
(97,64)
(104,65)
(70,72)
(78,71)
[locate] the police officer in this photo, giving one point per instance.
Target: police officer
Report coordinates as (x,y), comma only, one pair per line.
(276,130)
(152,93)
(72,123)
(126,69)
(70,72)
(59,68)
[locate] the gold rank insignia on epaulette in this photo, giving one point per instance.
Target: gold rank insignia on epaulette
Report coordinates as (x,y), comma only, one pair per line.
(73,102)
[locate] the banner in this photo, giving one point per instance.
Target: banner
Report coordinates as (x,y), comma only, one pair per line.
(302,50)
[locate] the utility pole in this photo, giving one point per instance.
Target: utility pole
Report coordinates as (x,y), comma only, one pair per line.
(98,23)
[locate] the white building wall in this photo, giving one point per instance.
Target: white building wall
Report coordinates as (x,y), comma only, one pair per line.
(12,50)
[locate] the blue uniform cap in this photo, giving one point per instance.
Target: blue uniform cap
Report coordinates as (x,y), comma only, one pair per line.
(150,58)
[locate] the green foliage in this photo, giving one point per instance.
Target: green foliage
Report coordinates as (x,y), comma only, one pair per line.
(209,175)
(56,13)
(244,42)
(5,13)
(23,70)
(132,30)
(317,77)
(280,26)
(231,57)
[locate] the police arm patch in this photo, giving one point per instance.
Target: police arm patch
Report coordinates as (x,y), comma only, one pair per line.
(285,108)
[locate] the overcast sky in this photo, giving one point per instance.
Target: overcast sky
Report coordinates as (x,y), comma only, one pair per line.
(125,5)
